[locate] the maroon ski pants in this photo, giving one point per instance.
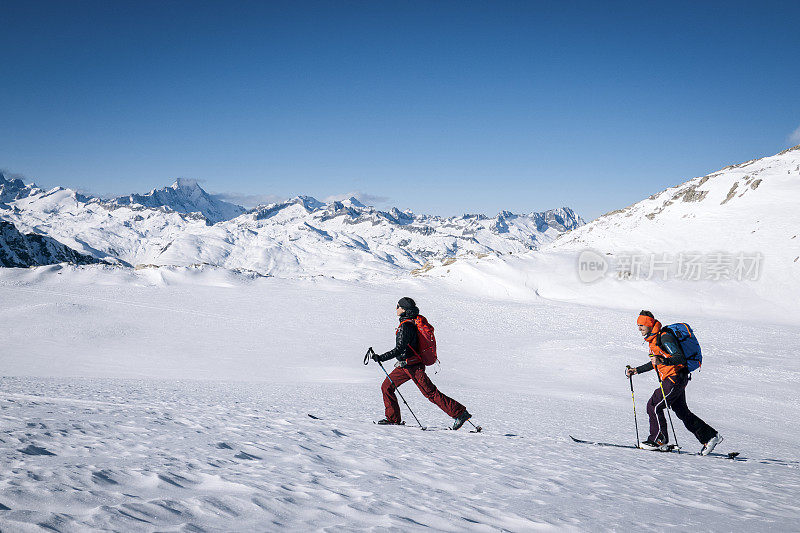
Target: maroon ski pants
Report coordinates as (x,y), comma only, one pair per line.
(427,388)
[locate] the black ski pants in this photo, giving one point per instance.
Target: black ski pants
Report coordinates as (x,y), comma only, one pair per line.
(675,392)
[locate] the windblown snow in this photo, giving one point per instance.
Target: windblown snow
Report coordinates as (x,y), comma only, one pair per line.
(178,400)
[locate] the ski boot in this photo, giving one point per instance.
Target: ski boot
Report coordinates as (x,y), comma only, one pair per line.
(656,446)
(460,419)
(709,446)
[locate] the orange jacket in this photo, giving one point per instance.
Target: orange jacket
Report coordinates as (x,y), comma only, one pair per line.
(665,371)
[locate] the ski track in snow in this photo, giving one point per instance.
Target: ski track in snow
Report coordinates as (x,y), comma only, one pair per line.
(186,422)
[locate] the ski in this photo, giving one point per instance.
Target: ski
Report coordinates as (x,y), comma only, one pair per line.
(672,449)
(477,429)
(608,444)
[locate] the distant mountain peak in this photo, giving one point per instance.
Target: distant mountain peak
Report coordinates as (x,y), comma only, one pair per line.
(14,188)
(186,184)
(309,202)
(353,201)
(185,196)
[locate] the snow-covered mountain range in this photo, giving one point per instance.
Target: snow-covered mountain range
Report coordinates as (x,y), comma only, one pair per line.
(183,225)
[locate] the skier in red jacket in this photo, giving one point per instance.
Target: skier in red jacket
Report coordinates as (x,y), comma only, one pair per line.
(410,367)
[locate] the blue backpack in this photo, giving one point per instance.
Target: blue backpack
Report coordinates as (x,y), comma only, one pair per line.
(688,341)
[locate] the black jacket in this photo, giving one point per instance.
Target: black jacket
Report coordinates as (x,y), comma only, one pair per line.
(406,336)
(667,342)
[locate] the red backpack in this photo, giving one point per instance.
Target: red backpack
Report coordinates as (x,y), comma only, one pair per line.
(427,342)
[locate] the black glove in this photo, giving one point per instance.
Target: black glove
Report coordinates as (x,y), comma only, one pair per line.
(375,357)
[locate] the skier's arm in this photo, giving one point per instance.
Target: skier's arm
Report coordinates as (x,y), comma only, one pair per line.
(404,338)
(647,367)
(671,345)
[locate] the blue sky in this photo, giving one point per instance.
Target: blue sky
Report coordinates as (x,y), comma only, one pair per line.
(441,107)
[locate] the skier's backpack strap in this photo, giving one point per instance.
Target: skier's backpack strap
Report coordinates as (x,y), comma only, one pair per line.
(416,358)
(401,323)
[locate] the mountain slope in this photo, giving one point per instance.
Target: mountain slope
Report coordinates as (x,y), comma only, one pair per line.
(749,204)
(21,250)
(749,208)
(726,243)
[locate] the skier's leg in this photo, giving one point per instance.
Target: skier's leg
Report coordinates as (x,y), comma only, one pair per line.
(389,399)
(658,422)
(429,390)
(677,402)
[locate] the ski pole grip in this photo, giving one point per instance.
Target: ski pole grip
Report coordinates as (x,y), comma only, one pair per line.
(366,356)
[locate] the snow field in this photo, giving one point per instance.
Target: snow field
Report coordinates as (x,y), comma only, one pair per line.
(144,456)
(177,400)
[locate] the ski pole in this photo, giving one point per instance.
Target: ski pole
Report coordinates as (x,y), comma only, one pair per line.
(635,421)
(478,429)
(666,404)
(401,396)
(369,353)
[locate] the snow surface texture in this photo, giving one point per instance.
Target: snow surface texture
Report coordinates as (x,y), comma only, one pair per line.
(176,400)
(301,237)
(750,208)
